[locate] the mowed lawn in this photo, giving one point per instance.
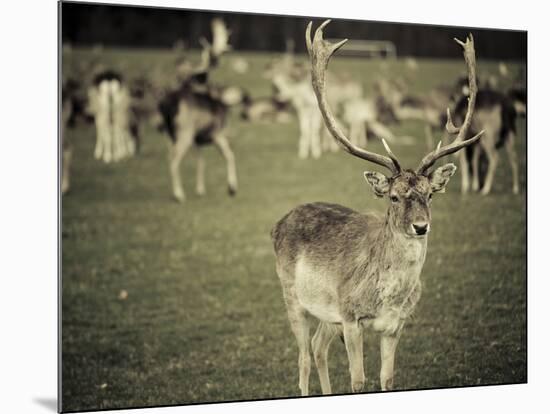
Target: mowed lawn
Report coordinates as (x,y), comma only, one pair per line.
(204,318)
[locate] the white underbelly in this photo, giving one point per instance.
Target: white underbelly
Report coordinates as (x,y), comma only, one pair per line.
(315,292)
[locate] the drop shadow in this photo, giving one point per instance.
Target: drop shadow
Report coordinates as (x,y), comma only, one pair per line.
(49,403)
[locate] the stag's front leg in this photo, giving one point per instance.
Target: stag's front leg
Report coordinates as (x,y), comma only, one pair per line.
(223,145)
(388,345)
(353,337)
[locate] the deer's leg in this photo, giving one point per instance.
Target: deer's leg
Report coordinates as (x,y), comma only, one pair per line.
(492,157)
(464,172)
(184,141)
(315,131)
(320,345)
(512,157)
(476,153)
(223,145)
(362,135)
(303,144)
(299,324)
(201,189)
(66,168)
(353,337)
(388,345)
(300,327)
(98,151)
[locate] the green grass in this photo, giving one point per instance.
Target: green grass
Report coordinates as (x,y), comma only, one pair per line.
(204,319)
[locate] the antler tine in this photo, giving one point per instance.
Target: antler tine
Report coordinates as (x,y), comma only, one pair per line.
(320,51)
(391,155)
(459,142)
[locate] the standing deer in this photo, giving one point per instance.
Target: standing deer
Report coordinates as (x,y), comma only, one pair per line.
(496,115)
(195,115)
(351,270)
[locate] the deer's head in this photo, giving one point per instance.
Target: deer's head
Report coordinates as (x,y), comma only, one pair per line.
(410,196)
(409,191)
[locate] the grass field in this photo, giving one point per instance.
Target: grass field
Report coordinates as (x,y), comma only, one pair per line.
(204,319)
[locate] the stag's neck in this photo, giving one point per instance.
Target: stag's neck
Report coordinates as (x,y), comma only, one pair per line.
(399,251)
(387,278)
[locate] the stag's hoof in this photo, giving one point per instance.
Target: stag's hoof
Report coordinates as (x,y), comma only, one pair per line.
(232,191)
(179,196)
(201,191)
(387,385)
(357,386)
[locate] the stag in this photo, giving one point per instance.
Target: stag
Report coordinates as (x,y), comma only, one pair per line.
(350,270)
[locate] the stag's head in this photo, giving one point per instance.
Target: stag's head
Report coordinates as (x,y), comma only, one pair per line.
(409,191)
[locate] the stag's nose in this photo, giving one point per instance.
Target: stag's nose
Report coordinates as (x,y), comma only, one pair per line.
(421,228)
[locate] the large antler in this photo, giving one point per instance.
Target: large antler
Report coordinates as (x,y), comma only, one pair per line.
(459,142)
(320,52)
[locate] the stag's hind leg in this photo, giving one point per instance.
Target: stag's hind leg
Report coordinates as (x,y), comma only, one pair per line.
(223,145)
(320,344)
(299,324)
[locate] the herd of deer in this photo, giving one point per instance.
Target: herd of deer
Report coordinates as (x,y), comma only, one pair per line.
(347,270)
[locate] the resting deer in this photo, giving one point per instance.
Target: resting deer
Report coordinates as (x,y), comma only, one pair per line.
(351,270)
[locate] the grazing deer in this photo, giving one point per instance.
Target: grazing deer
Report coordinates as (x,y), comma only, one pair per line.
(195,115)
(351,270)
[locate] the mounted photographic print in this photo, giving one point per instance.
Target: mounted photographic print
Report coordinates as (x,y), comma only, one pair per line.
(258,207)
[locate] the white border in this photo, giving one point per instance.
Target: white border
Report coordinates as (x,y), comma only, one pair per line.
(28,207)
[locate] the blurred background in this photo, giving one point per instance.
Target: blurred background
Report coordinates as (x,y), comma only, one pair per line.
(87,24)
(169,292)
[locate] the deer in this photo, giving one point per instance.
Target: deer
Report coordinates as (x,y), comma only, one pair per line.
(352,271)
(194,115)
(109,101)
(496,115)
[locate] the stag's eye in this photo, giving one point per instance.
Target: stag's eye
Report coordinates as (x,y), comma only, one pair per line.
(394,199)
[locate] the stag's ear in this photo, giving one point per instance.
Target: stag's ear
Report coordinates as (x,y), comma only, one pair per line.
(441,176)
(379,182)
